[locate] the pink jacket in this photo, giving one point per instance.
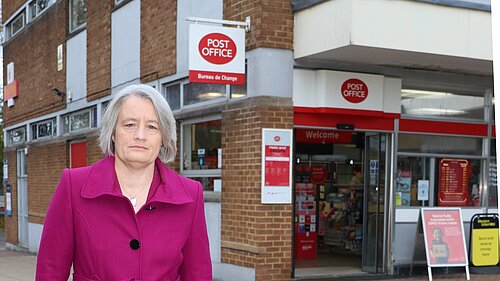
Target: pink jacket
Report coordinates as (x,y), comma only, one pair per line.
(91,225)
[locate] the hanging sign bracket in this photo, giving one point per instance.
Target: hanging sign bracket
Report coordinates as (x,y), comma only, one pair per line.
(245,24)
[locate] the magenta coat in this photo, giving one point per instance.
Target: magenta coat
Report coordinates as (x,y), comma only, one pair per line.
(91,225)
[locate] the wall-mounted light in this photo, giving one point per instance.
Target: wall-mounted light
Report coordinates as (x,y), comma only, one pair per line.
(59,93)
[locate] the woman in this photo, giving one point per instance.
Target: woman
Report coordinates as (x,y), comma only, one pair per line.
(128,217)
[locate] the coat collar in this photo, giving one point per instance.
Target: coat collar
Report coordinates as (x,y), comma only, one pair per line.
(101,180)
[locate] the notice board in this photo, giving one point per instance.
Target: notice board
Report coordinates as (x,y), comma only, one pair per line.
(454,182)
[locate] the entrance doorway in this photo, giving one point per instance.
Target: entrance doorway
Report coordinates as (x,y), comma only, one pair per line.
(340,191)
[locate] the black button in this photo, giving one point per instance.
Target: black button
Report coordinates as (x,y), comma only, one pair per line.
(135,244)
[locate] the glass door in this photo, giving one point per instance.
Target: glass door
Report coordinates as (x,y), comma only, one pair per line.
(376,186)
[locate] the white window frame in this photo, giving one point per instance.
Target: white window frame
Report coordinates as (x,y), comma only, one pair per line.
(9,134)
(197,173)
(37,124)
(79,27)
(38,11)
(164,94)
(198,104)
(22,15)
(90,111)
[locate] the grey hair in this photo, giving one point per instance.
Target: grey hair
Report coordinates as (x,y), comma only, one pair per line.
(163,113)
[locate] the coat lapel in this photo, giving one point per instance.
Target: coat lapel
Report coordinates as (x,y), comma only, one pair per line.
(101,180)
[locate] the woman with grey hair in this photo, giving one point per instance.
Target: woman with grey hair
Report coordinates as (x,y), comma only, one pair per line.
(128,217)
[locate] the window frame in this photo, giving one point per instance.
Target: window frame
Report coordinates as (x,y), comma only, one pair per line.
(37,11)
(443,117)
(37,124)
(92,116)
(210,173)
(82,26)
(11,131)
(183,106)
(22,15)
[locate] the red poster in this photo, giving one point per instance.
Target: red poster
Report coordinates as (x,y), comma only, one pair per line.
(305,221)
(277,164)
(453,182)
(318,174)
(444,237)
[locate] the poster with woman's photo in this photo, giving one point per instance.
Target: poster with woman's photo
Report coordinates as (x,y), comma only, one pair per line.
(444,237)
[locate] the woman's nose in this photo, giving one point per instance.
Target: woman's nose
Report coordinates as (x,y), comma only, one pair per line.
(140,132)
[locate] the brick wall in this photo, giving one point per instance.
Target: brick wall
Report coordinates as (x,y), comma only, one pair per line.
(48,156)
(94,152)
(253,235)
(11,221)
(271,22)
(158,39)
(34,53)
(99,48)
(9,7)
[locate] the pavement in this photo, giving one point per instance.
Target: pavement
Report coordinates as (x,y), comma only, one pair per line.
(20,266)
(15,266)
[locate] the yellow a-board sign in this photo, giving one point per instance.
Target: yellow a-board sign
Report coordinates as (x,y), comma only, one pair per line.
(484,241)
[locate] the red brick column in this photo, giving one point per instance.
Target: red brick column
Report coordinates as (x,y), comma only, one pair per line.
(99,48)
(158,39)
(253,235)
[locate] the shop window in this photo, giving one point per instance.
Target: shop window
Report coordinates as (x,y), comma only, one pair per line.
(43,129)
(77,14)
(437,181)
(419,143)
(173,95)
(16,136)
(441,104)
(80,120)
(198,92)
(202,152)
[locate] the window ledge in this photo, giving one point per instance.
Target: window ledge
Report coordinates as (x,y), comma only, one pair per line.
(211,196)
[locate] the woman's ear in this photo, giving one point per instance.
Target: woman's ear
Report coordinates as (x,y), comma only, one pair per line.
(113,138)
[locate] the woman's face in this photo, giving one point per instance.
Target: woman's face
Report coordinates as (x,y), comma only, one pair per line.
(437,233)
(137,136)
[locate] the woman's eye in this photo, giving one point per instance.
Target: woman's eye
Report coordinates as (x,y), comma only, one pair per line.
(129,125)
(152,127)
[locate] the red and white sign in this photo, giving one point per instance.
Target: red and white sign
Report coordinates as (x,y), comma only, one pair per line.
(444,237)
(305,226)
(10,91)
(322,136)
(318,174)
(216,55)
(276,166)
(354,90)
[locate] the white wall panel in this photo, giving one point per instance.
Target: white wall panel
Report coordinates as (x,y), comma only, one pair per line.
(76,66)
(125,44)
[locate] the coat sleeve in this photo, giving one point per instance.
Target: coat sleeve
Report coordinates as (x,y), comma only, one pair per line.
(197,265)
(55,254)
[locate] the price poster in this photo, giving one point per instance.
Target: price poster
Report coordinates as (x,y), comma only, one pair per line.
(453,182)
(276,166)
